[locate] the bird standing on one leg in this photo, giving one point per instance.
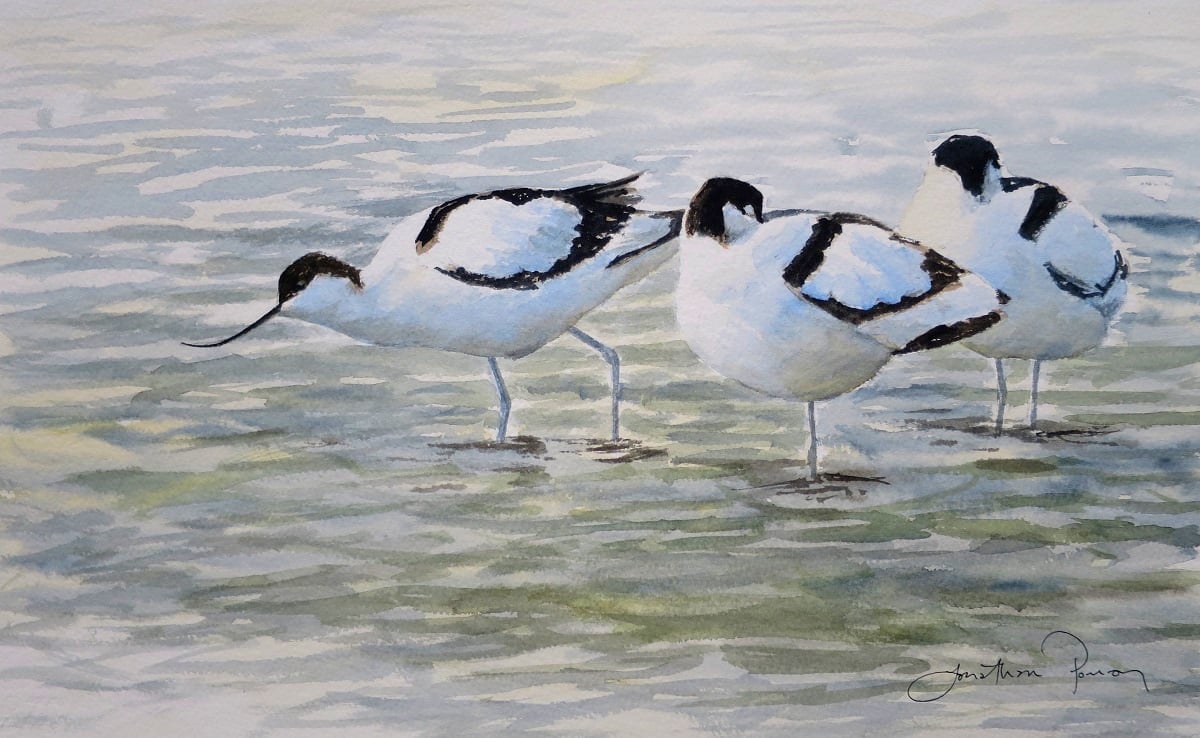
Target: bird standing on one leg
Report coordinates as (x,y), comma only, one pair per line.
(806,305)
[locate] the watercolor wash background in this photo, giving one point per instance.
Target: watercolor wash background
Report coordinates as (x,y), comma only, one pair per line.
(295,535)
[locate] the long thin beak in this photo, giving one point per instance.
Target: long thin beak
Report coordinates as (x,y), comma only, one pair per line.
(270,314)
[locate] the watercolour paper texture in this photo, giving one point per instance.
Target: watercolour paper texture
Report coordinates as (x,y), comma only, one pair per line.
(301,534)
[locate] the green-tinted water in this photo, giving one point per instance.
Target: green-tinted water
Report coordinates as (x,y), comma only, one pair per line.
(300,535)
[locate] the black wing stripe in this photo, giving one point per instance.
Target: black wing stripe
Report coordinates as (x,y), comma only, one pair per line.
(604,210)
(1120,272)
(676,217)
(942,272)
(521,195)
(944,334)
(522,280)
(437,218)
(1012,184)
(616,191)
(791,212)
(1046,203)
(856,219)
(1084,291)
(1069,284)
(810,258)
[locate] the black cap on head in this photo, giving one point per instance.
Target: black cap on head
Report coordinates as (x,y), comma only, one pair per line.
(704,214)
(301,272)
(969,157)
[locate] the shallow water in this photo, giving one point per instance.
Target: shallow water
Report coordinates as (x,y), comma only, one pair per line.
(296,534)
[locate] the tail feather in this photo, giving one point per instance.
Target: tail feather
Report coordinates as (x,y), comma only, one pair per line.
(947,333)
(616,192)
(957,312)
(674,225)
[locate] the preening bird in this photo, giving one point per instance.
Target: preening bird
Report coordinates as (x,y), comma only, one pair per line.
(1062,270)
(807,305)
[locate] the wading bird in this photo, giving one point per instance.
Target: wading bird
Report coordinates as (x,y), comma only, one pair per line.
(806,305)
(1061,269)
(496,274)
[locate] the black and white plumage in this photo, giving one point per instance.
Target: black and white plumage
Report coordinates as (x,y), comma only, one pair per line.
(1061,268)
(495,274)
(807,305)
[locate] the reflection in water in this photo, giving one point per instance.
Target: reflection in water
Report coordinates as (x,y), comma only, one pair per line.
(300,532)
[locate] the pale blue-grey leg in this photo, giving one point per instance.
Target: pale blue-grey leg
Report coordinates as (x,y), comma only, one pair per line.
(502,393)
(812,441)
(1034,371)
(614,361)
(1001,396)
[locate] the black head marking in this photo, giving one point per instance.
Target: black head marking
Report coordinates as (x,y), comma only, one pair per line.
(969,157)
(704,214)
(301,272)
(292,282)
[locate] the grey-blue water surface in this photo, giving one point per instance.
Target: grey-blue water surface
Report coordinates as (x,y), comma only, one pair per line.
(300,535)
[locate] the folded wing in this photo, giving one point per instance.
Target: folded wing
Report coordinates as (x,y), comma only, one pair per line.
(519,238)
(901,294)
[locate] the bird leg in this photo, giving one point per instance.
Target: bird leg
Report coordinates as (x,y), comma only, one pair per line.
(614,361)
(502,393)
(1034,370)
(1001,396)
(812,441)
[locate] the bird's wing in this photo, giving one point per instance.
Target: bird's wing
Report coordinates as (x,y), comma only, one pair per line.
(1082,259)
(1044,203)
(519,238)
(1078,253)
(893,289)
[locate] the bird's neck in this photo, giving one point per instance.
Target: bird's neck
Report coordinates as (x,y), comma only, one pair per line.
(329,301)
(940,213)
(737,224)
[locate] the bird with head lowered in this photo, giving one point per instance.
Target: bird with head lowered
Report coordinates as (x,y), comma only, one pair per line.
(495,274)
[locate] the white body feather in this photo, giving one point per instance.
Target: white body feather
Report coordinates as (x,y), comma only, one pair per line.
(406,301)
(1042,321)
(744,321)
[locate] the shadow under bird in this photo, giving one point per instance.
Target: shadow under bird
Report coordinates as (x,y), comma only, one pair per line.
(495,274)
(1061,268)
(808,305)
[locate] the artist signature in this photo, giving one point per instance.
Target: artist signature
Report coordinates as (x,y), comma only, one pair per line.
(925,688)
